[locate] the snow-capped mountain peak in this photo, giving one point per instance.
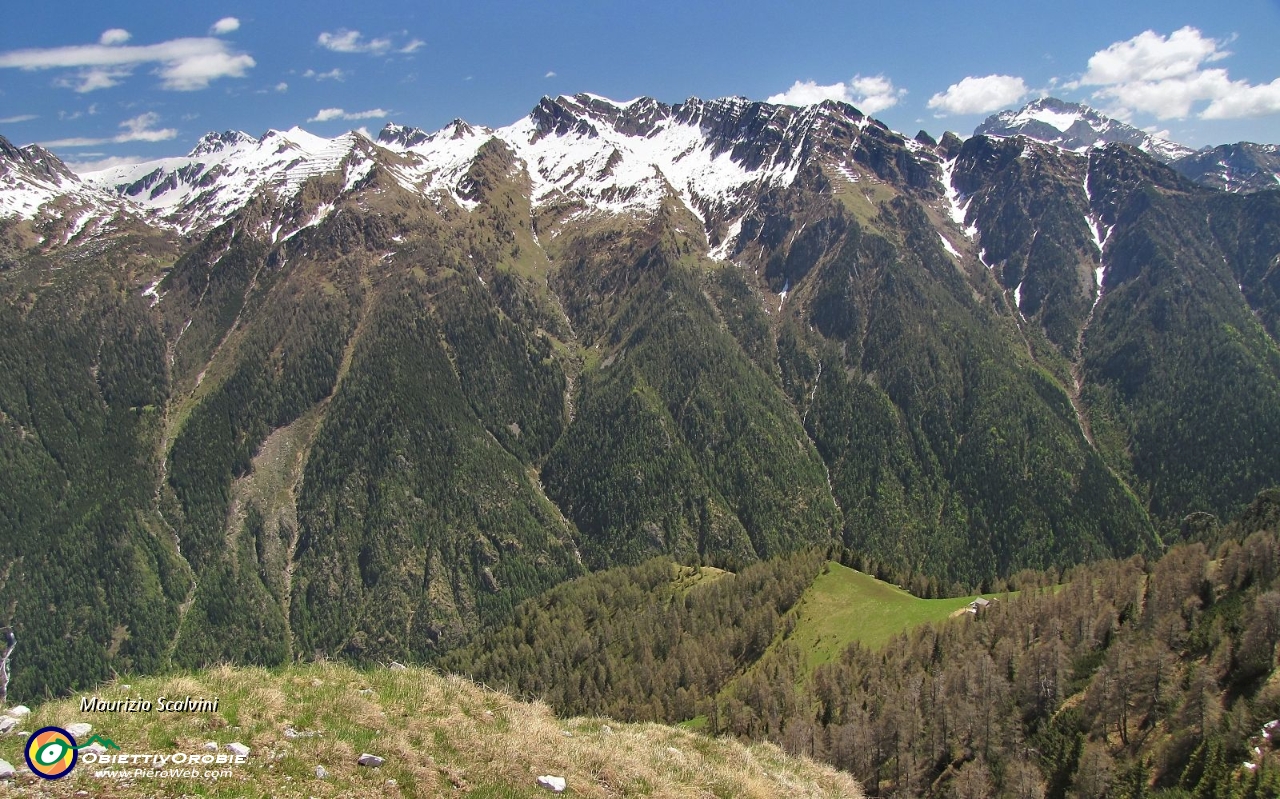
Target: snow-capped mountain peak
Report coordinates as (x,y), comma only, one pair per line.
(1074,126)
(222,173)
(614,157)
(213,142)
(36,185)
(584,153)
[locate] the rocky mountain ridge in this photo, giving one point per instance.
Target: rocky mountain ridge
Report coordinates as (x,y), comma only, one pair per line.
(347,397)
(1240,167)
(1076,127)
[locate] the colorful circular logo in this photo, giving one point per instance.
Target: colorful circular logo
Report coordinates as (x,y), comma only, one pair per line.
(51,752)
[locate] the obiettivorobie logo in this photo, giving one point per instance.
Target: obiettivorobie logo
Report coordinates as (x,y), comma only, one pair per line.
(52,752)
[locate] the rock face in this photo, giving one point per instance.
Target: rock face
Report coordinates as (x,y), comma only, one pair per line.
(1242,167)
(556,784)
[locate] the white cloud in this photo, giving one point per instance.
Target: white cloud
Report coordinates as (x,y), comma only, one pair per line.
(979,95)
(1152,57)
(871,94)
(182,64)
(333,74)
(90,80)
(549,74)
(329,114)
(808,92)
(413,46)
(137,128)
(225,25)
(195,72)
(84,167)
(17,119)
(874,93)
(1166,76)
(349,41)
(1166,99)
(1244,100)
(114,36)
(282,87)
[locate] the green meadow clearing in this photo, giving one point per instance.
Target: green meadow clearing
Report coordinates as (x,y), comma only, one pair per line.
(844,605)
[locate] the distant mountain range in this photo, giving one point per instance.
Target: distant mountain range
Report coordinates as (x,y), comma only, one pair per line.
(1241,167)
(292,396)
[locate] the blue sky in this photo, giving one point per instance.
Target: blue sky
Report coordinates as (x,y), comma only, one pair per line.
(144,79)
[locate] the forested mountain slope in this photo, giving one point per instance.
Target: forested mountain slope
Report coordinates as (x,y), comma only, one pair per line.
(289,397)
(1122,678)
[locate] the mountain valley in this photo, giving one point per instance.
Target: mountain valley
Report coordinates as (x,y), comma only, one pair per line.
(373,397)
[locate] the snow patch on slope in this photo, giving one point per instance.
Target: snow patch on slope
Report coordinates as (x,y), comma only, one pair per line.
(721,251)
(946,245)
(1060,120)
(613,173)
(957,206)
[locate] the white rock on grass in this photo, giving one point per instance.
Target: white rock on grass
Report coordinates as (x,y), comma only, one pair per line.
(551,783)
(210,746)
(6,771)
(79,730)
(7,724)
(372,761)
(321,773)
(238,749)
(18,711)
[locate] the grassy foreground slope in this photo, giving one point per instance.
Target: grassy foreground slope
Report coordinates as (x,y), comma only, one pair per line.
(440,736)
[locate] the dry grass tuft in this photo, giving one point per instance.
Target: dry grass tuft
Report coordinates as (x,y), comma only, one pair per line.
(440,736)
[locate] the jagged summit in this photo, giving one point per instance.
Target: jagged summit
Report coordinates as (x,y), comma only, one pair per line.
(213,142)
(34,160)
(35,181)
(401,136)
(582,149)
(1075,126)
(590,154)
(1240,167)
